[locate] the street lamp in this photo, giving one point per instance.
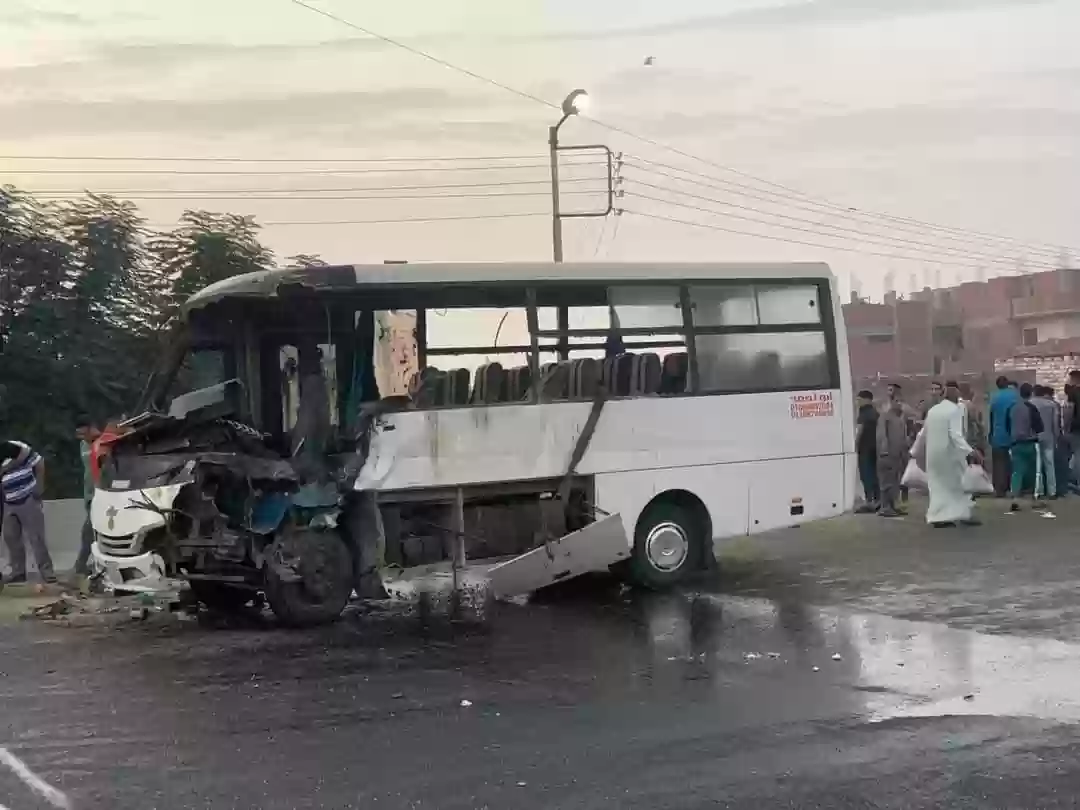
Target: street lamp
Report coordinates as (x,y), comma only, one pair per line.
(575,103)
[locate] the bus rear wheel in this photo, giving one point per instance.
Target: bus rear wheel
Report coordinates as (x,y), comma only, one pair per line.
(669,542)
(308,577)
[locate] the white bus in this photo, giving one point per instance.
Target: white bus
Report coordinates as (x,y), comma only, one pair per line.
(487,414)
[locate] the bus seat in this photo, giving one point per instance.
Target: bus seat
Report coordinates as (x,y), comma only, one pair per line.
(490,384)
(645,374)
(674,374)
(607,374)
(555,384)
(585,374)
(623,375)
(767,370)
(426,387)
(518,384)
(457,387)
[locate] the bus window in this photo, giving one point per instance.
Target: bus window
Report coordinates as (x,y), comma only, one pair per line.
(723,305)
(475,356)
(762,361)
(788,304)
(647,307)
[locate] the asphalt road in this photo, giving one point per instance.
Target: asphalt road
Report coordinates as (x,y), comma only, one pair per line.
(737,694)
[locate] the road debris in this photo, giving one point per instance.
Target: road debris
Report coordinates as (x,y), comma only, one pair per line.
(81,610)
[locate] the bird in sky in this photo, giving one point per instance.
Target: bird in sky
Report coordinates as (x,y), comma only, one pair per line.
(650,60)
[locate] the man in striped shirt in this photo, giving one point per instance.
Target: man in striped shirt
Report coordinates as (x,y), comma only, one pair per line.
(22,479)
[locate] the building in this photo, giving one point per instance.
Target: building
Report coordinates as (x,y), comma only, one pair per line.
(972,328)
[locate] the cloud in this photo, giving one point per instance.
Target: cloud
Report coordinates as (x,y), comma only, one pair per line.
(795,13)
(23,14)
(926,126)
(137,59)
(299,112)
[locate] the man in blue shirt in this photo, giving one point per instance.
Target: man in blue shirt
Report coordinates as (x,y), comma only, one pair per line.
(22,479)
(1001,401)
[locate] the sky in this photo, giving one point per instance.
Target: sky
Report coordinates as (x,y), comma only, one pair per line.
(960,113)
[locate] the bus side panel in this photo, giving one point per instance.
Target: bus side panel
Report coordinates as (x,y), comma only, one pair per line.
(741,498)
(722,488)
(851,481)
(787,492)
(450,447)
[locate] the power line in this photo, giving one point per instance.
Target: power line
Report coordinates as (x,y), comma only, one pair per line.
(336,190)
(819,208)
(451,196)
(202,159)
(292,172)
(611,127)
(791,241)
(862,236)
(424,55)
(394,221)
(905,223)
(600,238)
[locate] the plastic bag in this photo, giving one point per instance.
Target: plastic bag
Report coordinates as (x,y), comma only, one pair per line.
(918,450)
(914,477)
(976,481)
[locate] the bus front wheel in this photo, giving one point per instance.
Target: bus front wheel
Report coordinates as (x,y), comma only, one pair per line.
(669,542)
(308,577)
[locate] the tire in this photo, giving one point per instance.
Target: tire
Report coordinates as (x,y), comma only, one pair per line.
(219,596)
(668,545)
(309,577)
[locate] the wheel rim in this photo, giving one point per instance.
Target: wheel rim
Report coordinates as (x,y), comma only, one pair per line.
(667,546)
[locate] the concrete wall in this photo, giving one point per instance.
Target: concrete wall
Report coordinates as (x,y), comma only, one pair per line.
(63,525)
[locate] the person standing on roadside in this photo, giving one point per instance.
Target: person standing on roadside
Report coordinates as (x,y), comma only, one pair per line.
(22,478)
(87,434)
(1025,425)
(947,458)
(866,449)
(1001,402)
(1049,438)
(937,394)
(1072,396)
(892,450)
(911,418)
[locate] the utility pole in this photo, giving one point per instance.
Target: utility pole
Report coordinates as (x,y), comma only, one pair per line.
(556,216)
(573,104)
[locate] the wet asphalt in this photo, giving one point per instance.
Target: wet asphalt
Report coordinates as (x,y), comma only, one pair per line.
(849,665)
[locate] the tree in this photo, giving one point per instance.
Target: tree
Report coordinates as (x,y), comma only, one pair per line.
(85,293)
(206,248)
(305,260)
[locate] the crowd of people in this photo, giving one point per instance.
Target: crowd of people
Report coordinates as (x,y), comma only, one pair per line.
(1027,434)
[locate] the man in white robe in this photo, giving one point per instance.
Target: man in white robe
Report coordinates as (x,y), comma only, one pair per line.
(947,457)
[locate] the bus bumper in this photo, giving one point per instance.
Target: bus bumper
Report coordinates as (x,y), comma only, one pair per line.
(141,573)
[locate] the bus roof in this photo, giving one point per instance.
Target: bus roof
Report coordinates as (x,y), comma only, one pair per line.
(342,278)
